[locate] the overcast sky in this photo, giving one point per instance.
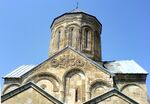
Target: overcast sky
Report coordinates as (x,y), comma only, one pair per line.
(25,30)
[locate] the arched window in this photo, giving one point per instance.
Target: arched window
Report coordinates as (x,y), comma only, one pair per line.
(74,87)
(58,39)
(86,34)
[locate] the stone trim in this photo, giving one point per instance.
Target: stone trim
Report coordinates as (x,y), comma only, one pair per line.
(8,86)
(27,86)
(41,74)
(130,84)
(101,81)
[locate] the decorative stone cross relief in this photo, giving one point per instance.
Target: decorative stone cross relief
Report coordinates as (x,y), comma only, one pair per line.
(65,61)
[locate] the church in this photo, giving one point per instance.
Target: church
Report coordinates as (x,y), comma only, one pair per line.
(74,72)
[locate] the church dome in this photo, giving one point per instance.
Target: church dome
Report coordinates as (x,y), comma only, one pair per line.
(79,30)
(76,11)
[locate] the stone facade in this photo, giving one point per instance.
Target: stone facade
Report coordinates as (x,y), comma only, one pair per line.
(74,72)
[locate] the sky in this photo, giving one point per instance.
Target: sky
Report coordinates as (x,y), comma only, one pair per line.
(25,30)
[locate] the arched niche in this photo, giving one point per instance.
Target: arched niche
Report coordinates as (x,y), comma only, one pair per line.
(47,81)
(98,87)
(74,37)
(135,92)
(48,85)
(87,32)
(58,37)
(10,87)
(74,86)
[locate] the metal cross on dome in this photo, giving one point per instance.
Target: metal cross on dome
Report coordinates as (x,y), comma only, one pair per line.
(77,5)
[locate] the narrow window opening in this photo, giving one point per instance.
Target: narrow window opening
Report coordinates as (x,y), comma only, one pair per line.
(76,95)
(58,42)
(71,36)
(86,38)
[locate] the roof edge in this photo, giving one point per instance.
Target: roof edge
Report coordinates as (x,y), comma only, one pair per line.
(26,86)
(74,13)
(108,94)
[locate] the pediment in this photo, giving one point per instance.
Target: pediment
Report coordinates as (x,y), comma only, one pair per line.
(69,58)
(29,94)
(111,97)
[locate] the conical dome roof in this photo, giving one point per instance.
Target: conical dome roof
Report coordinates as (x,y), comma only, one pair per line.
(75,11)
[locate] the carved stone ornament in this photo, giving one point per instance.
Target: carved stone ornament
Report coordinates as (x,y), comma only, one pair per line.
(79,63)
(65,61)
(54,63)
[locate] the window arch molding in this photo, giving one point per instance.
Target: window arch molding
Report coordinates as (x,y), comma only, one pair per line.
(73,33)
(97,87)
(35,77)
(58,34)
(55,31)
(9,86)
(130,84)
(53,81)
(56,82)
(135,91)
(100,81)
(72,70)
(87,32)
(70,83)
(73,25)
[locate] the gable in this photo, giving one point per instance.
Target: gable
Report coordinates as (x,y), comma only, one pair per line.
(111,97)
(62,62)
(26,97)
(29,94)
(27,69)
(68,57)
(114,99)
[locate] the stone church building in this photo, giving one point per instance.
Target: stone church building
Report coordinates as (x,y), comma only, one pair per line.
(74,72)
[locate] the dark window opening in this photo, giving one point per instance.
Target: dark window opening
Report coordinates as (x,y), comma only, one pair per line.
(76,95)
(71,36)
(86,38)
(58,42)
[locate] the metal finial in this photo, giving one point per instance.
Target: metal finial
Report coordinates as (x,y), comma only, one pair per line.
(77,5)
